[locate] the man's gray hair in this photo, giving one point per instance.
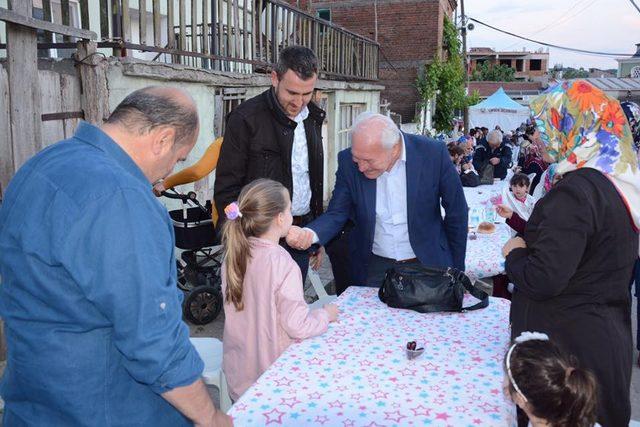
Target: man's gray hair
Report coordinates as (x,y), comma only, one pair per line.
(494,135)
(147,108)
(390,135)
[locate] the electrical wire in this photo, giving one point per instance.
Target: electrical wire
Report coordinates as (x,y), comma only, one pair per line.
(572,49)
(564,17)
(635,5)
(587,6)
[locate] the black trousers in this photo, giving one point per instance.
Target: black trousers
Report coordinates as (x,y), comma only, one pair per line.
(378,267)
(300,257)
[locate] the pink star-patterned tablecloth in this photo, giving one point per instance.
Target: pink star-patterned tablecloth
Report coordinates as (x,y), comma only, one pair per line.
(477,196)
(484,251)
(357,373)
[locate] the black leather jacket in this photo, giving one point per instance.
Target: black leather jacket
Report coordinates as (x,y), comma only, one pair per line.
(484,153)
(257,144)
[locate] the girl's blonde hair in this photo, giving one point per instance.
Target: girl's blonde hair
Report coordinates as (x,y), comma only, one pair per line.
(259,203)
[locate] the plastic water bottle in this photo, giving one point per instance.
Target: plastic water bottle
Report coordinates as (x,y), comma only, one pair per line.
(474,219)
(489,214)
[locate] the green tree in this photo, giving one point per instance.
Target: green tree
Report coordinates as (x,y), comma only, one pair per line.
(444,78)
(572,73)
(493,73)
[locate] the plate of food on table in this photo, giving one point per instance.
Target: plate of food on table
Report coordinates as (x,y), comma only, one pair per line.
(486,228)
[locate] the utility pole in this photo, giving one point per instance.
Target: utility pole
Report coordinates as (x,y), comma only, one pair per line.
(375,14)
(465,111)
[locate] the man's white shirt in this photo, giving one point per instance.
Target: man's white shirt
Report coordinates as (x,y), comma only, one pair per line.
(391,236)
(301,197)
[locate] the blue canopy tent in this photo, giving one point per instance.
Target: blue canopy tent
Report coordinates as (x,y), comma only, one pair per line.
(498,110)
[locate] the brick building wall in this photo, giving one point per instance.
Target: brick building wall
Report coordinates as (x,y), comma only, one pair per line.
(486,89)
(409,33)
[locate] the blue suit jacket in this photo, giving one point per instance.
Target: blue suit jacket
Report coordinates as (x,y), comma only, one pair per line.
(431,180)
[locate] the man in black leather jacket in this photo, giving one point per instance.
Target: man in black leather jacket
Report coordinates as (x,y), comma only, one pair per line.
(277,135)
(495,152)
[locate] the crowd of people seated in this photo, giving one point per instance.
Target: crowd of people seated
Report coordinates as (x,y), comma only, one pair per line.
(483,155)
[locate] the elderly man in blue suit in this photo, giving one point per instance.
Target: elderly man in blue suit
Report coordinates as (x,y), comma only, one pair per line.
(392,186)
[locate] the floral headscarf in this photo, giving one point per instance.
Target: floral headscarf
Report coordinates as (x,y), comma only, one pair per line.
(582,127)
(548,177)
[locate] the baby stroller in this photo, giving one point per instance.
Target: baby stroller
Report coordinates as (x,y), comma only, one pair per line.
(199,264)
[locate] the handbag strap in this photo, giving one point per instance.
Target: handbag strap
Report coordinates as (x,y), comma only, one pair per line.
(381,294)
(475,292)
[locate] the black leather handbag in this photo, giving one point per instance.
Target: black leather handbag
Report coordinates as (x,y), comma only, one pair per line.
(428,290)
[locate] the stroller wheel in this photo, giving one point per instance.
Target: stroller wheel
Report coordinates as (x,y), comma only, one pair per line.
(202,305)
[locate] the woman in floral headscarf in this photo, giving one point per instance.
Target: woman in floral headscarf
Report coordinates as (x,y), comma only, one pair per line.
(532,162)
(572,269)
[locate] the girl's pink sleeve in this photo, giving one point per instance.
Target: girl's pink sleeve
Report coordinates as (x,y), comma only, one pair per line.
(295,317)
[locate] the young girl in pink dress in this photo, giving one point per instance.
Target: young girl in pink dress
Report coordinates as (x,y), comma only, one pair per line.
(264,305)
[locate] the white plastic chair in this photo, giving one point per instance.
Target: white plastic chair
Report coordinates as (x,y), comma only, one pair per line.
(210,351)
(323,296)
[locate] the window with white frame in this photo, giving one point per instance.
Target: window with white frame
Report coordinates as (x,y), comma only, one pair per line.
(348,112)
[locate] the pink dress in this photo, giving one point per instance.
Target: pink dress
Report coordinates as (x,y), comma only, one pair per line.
(275,314)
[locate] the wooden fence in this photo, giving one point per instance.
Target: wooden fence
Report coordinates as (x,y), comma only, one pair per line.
(226,35)
(39,107)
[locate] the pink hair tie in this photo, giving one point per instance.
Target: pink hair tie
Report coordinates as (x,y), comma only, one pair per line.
(232,211)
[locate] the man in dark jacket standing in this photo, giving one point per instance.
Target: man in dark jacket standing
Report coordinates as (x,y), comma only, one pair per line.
(277,135)
(495,152)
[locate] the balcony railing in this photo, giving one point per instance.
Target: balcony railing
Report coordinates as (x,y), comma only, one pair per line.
(242,36)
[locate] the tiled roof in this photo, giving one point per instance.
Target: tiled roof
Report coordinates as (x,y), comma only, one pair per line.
(615,83)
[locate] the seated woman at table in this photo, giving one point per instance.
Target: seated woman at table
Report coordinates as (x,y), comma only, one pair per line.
(264,304)
(533,162)
(548,385)
(456,153)
(468,176)
(572,269)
